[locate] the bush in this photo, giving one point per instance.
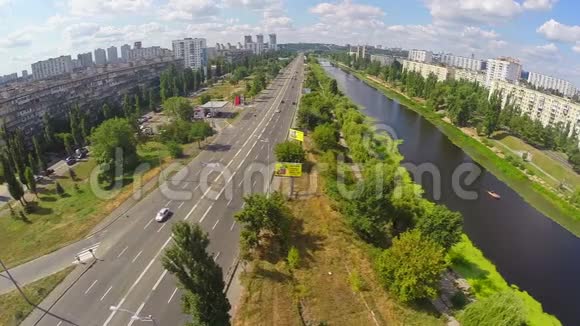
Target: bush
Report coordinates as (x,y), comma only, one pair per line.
(326,137)
(500,309)
(174,149)
(356,282)
(290,151)
(293,258)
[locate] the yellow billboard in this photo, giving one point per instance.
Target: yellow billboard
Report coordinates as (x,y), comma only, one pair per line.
(288,169)
(297,135)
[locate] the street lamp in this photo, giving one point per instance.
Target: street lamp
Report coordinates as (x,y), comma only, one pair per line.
(134,315)
(268,165)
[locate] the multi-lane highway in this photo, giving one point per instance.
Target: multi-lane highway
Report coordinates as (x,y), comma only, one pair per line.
(128,273)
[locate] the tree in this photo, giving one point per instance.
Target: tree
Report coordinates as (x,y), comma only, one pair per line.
(48,129)
(114,146)
(325,137)
(442,226)
(492,113)
(200,130)
(575,199)
(174,149)
(67,141)
(198,275)
(411,268)
(290,151)
(151,100)
(59,189)
(106,111)
(204,98)
(504,308)
(179,107)
(137,108)
(293,258)
(333,87)
(263,218)
(14,186)
(41,164)
(30,181)
(75,125)
(126,106)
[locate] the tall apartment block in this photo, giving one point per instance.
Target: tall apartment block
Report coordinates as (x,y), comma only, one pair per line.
(548,82)
(100,57)
(192,50)
(52,67)
(421,56)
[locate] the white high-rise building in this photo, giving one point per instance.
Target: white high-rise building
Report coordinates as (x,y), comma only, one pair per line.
(85,59)
(272,43)
(125,52)
(112,55)
(100,57)
(192,50)
(259,44)
(421,56)
(462,62)
(52,67)
(548,82)
(504,69)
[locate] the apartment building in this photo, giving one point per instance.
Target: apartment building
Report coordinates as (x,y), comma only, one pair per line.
(148,53)
(85,59)
(125,48)
(52,67)
(462,62)
(100,57)
(272,42)
(548,109)
(259,44)
(421,56)
(442,73)
(192,50)
(504,69)
(473,76)
(23,107)
(112,56)
(384,60)
(548,82)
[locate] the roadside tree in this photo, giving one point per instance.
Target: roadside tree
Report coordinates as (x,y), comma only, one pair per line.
(179,107)
(290,151)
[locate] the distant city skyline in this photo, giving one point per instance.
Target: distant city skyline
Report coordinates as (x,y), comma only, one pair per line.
(544,34)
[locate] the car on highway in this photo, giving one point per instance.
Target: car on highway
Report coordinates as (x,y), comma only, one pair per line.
(162,214)
(282,101)
(277,111)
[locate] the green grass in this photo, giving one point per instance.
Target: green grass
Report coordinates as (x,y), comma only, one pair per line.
(548,164)
(538,196)
(485,280)
(58,221)
(14,308)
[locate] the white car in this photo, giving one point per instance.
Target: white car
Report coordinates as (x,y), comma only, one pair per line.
(162,214)
(277,110)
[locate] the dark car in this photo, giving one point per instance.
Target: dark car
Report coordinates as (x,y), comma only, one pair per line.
(70,160)
(293,103)
(282,101)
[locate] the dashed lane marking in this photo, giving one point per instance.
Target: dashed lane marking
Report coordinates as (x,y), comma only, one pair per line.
(122,252)
(104,295)
(172,295)
(90,287)
(139,254)
(216,223)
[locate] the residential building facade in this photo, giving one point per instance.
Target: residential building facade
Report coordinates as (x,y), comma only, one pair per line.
(550,110)
(52,67)
(112,56)
(272,42)
(548,82)
(421,56)
(23,108)
(504,69)
(192,50)
(384,60)
(148,53)
(425,69)
(125,48)
(462,62)
(85,59)
(470,75)
(100,57)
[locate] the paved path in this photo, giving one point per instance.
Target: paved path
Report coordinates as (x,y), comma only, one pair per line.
(127,272)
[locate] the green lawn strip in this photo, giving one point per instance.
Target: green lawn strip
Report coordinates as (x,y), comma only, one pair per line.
(485,280)
(58,221)
(544,200)
(14,308)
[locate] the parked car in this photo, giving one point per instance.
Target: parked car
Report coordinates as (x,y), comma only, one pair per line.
(70,160)
(38,178)
(162,214)
(293,103)
(282,101)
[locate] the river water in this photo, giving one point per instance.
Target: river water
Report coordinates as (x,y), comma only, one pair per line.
(529,249)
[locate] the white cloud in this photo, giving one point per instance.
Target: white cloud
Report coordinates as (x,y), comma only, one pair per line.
(189,9)
(483,11)
(347,10)
(556,31)
(539,4)
(91,34)
(252,4)
(16,40)
(576,48)
(106,7)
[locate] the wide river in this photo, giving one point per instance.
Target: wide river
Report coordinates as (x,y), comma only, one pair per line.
(529,250)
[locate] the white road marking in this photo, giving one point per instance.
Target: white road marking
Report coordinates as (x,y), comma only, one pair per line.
(136,282)
(240,183)
(161,228)
(216,223)
(159,280)
(184,185)
(254,183)
(104,295)
(172,294)
(216,256)
(232,227)
(230,201)
(205,214)
(169,202)
(60,322)
(139,254)
(90,287)
(122,252)
(137,313)
(180,205)
(148,224)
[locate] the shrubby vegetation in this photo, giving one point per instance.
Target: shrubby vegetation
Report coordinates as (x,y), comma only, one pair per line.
(470,104)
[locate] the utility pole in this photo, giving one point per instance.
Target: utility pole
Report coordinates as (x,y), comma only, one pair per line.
(15,283)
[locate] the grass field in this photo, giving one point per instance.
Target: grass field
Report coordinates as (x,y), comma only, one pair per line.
(14,308)
(555,168)
(485,280)
(57,221)
(335,283)
(538,196)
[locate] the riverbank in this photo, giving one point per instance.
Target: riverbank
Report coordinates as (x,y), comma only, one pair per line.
(542,199)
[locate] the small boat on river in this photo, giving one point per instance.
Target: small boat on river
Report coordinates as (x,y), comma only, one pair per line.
(494,194)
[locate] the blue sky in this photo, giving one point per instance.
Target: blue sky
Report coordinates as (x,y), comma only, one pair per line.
(543,34)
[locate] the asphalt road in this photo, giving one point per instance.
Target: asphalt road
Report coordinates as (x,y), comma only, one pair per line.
(128,273)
